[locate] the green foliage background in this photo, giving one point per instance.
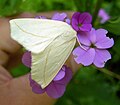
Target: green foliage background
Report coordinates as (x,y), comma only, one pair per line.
(89,86)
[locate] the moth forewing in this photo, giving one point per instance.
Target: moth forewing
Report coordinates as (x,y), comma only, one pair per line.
(50,43)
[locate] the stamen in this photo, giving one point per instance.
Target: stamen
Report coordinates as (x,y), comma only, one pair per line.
(79,25)
(92,45)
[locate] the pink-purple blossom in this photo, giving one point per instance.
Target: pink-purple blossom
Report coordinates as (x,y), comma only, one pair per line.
(81,21)
(103,15)
(58,85)
(57,16)
(61,17)
(26,59)
(95,44)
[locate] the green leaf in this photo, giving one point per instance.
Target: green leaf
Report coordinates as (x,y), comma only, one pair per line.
(80,4)
(9,7)
(20,70)
(113,25)
(84,5)
(2,3)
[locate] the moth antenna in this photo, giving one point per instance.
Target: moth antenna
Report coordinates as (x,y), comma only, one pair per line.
(81,45)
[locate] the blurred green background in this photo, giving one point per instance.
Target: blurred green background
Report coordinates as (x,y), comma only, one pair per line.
(89,86)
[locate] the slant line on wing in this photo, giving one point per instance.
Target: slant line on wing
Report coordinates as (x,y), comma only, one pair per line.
(66,47)
(46,61)
(26,31)
(67,41)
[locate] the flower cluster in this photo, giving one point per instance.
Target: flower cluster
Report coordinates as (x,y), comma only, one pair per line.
(92,50)
(81,21)
(103,16)
(93,42)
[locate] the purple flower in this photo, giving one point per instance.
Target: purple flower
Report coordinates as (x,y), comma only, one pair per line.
(81,21)
(61,17)
(103,15)
(57,16)
(95,42)
(57,87)
(26,59)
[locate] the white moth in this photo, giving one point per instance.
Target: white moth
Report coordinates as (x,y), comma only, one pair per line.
(50,43)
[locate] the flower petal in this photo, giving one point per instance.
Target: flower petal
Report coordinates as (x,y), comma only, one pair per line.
(103,15)
(86,27)
(103,42)
(85,18)
(67,20)
(106,42)
(76,16)
(31,81)
(26,59)
(92,36)
(101,56)
(60,75)
(78,51)
(85,57)
(59,16)
(36,88)
(67,77)
(100,34)
(75,21)
(82,38)
(55,90)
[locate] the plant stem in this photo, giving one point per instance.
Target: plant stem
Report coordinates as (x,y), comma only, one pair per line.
(97,7)
(110,73)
